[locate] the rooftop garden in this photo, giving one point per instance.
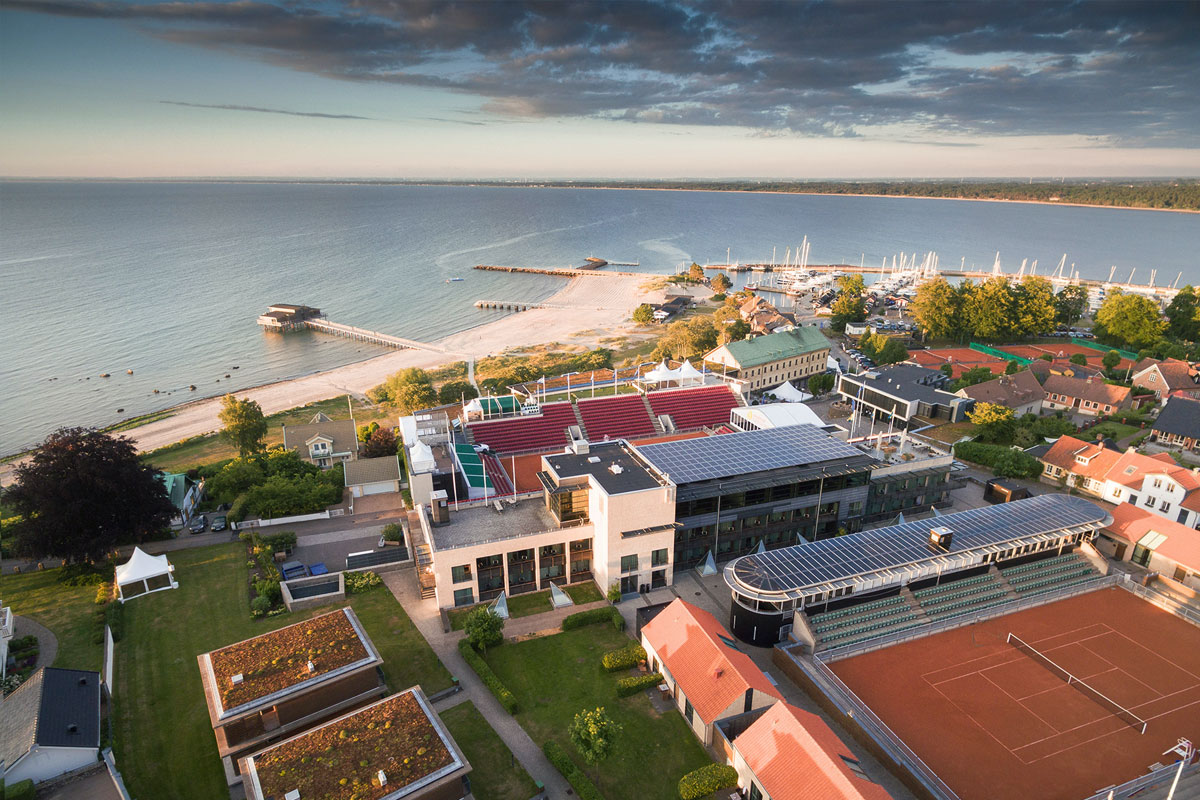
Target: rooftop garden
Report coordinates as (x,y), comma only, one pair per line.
(280,659)
(342,759)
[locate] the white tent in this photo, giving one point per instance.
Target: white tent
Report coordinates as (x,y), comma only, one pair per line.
(689,373)
(144,573)
(420,458)
(833,364)
(788,393)
(661,374)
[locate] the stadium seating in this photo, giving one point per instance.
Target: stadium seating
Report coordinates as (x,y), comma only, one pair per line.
(1048,574)
(860,622)
(954,597)
(621,417)
(691,409)
(498,475)
(546,431)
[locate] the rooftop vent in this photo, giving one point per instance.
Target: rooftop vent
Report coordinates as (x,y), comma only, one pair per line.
(593,459)
(72,728)
(382,778)
(940,537)
(83,681)
(312,667)
(236,679)
(615,469)
(294,794)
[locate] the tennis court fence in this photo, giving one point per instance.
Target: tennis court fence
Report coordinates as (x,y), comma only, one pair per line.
(1086,689)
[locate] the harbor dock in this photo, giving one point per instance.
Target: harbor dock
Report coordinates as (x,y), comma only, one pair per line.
(560,272)
(285,317)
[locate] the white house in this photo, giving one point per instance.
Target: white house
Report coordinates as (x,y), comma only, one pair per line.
(1168,548)
(1157,484)
(323,441)
(50,725)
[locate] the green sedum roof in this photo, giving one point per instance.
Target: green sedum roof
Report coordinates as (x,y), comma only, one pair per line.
(777,346)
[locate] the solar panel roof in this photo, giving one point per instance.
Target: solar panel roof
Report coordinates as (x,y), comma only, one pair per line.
(711,457)
(816,563)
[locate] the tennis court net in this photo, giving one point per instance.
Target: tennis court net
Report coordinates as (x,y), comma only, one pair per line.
(1119,710)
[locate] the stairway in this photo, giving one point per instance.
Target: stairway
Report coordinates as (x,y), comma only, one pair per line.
(912,603)
(658,428)
(579,422)
(422,557)
(995,572)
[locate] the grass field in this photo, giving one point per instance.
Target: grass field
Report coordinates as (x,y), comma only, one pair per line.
(495,774)
(68,611)
(555,677)
(159,714)
(525,605)
(1112,430)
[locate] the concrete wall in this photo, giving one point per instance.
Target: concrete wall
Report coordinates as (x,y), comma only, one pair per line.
(43,763)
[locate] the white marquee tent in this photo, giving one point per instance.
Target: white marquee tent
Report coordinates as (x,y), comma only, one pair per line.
(144,573)
(789,393)
(661,374)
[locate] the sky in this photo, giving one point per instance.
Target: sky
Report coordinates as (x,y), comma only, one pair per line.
(568,89)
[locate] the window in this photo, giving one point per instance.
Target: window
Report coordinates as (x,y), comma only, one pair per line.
(464,597)
(755,792)
(629,563)
(854,766)
(658,558)
(688,711)
(1180,574)
(461,574)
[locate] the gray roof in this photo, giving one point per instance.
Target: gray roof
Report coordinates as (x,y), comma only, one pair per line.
(710,457)
(1180,416)
(53,708)
(632,475)
(372,470)
(342,432)
(907,382)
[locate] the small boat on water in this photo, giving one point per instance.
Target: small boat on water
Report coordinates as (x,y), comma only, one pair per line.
(453,280)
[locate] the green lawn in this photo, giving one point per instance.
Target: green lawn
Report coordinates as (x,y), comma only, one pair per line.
(68,611)
(1111,429)
(159,712)
(524,605)
(495,774)
(555,677)
(583,593)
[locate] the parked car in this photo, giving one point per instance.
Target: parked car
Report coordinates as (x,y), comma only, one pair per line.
(198,524)
(218,524)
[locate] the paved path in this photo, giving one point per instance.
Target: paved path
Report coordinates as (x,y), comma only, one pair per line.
(426,616)
(47,641)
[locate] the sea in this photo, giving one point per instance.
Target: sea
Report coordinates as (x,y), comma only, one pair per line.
(166,279)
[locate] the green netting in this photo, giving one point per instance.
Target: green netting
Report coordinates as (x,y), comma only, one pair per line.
(1103,349)
(472,467)
(499,405)
(991,351)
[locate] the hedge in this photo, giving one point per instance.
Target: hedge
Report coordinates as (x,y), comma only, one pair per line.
(706,780)
(489,678)
(623,658)
(636,683)
(20,791)
(593,616)
(1004,461)
(580,782)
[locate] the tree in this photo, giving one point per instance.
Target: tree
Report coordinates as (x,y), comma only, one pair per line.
(685,338)
(413,397)
(1111,359)
(1033,306)
(947,370)
(484,628)
(936,308)
(382,443)
(245,426)
(83,493)
(696,272)
(820,384)
(990,310)
(1183,314)
(996,422)
(1069,304)
(738,329)
(1046,357)
(1130,319)
(643,314)
(1079,359)
(1012,368)
(234,478)
(365,431)
(971,377)
(456,392)
(720,283)
(593,733)
(849,306)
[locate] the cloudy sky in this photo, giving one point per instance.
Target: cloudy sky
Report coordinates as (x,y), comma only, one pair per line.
(418,88)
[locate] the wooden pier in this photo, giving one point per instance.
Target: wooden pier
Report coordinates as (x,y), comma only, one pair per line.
(283,318)
(560,272)
(518,305)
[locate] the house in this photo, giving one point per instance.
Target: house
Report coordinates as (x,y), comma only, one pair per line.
(901,392)
(50,725)
(674,305)
(709,676)
(1077,464)
(1091,396)
(271,686)
(766,361)
(1020,391)
(323,441)
(786,753)
(184,494)
(1178,424)
(1168,377)
(373,476)
(1157,484)
(1166,547)
(1060,366)
(394,748)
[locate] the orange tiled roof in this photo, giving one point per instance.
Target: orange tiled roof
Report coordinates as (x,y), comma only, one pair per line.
(1008,390)
(1065,452)
(1094,390)
(1157,464)
(710,672)
(795,756)
(1182,544)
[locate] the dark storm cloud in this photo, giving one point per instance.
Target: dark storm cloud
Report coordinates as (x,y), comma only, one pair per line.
(1121,72)
(227,107)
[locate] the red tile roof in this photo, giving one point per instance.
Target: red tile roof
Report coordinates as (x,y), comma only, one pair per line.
(712,674)
(1182,544)
(795,756)
(1094,390)
(1157,464)
(1065,451)
(1010,391)
(1178,374)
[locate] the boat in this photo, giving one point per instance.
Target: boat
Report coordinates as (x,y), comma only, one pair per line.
(453,280)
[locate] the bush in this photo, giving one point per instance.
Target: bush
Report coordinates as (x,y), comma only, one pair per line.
(392,533)
(260,605)
(562,762)
(104,593)
(84,574)
(237,511)
(623,658)
(20,791)
(636,683)
(489,678)
(614,593)
(706,780)
(280,542)
(1004,461)
(114,618)
(270,589)
(594,616)
(359,582)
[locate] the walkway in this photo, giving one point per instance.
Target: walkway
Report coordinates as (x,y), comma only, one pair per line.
(47,641)
(426,616)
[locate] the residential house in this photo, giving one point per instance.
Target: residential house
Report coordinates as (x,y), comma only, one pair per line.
(50,725)
(900,393)
(1155,483)
(1077,464)
(1178,424)
(767,361)
(1090,396)
(709,676)
(1021,392)
(367,476)
(269,687)
(1169,377)
(785,753)
(323,441)
(1060,366)
(184,494)
(1166,547)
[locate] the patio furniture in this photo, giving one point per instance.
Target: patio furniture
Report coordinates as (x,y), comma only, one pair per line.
(318,569)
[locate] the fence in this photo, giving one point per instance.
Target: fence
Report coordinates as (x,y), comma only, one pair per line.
(114,773)
(1102,349)
(991,351)
(266,523)
(1165,602)
(1129,788)
(106,677)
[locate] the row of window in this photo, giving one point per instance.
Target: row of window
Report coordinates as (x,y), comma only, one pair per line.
(770,494)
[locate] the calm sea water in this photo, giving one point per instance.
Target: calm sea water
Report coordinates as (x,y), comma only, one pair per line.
(167,279)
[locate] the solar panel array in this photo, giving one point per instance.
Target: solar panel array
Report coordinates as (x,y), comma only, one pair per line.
(814,563)
(711,457)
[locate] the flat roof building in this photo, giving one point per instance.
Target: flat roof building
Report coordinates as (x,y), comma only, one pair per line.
(902,392)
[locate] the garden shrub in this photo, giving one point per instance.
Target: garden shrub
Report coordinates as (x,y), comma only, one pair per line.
(280,542)
(260,605)
(562,762)
(706,780)
(623,658)
(489,678)
(594,616)
(84,574)
(22,790)
(270,589)
(115,619)
(1004,461)
(636,683)
(359,582)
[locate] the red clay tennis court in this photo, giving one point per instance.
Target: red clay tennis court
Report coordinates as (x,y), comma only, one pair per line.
(995,723)
(1063,349)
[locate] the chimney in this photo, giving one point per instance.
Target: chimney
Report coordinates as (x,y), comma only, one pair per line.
(718,672)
